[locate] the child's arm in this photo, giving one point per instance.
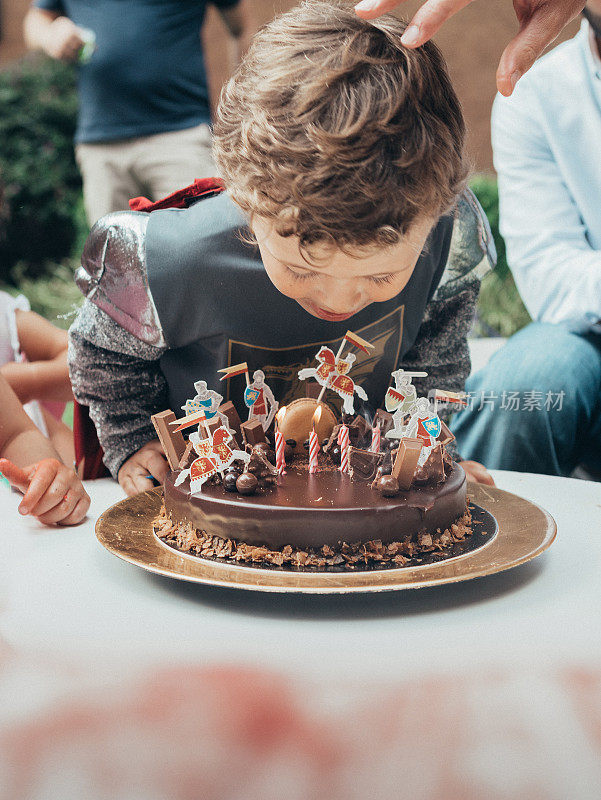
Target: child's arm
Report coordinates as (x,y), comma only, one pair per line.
(45,375)
(118,377)
(53,492)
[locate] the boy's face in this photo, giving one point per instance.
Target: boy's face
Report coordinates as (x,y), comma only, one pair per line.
(333,285)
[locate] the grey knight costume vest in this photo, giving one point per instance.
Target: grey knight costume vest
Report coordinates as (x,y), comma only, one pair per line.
(184,281)
(217,307)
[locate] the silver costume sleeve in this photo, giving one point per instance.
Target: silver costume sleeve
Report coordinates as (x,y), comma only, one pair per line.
(118,377)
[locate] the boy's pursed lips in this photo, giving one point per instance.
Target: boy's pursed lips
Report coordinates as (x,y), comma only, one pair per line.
(323,313)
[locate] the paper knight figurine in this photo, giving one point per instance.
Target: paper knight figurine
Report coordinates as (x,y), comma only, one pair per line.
(206,400)
(332,374)
(257,397)
(424,424)
(400,399)
(214,455)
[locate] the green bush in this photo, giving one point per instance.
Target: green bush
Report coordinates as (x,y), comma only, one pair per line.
(501,311)
(41,218)
(485,189)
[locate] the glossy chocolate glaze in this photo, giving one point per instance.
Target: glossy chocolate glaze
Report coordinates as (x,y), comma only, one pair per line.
(312,510)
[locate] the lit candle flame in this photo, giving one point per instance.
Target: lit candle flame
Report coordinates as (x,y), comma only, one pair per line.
(316,417)
(279,417)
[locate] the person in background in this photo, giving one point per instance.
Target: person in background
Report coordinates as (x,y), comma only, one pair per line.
(144,115)
(546,151)
(52,492)
(33,360)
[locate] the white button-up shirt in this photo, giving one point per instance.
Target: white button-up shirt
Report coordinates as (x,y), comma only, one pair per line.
(547,153)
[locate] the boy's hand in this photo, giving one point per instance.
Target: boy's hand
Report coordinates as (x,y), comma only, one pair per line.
(53,492)
(477,472)
(149,461)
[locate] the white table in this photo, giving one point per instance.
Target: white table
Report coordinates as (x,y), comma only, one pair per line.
(491,686)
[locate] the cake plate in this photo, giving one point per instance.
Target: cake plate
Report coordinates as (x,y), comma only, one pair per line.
(510,531)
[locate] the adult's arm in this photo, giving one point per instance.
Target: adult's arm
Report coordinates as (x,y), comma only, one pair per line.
(49,30)
(540,21)
(557,272)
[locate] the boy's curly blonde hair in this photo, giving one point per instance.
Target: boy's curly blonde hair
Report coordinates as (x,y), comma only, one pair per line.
(336,132)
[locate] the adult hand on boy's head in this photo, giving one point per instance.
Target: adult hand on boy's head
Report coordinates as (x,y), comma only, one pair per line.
(541,21)
(149,461)
(52,492)
(477,472)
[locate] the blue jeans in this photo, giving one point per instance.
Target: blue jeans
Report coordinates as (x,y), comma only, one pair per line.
(536,406)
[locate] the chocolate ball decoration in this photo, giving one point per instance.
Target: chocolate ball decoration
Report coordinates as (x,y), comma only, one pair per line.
(247,483)
(388,486)
(229,481)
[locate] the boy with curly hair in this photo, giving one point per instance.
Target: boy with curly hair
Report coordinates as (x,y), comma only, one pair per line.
(342,157)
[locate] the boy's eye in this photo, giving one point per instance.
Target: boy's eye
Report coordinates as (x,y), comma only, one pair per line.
(380,279)
(301,275)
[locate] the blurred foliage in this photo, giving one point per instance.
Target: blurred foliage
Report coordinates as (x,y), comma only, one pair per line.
(54,295)
(500,311)
(42,219)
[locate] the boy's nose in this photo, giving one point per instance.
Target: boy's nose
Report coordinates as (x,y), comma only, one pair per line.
(340,297)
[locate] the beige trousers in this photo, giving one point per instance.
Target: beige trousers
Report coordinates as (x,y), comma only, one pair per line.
(152,166)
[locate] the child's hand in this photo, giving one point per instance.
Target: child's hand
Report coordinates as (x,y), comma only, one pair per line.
(477,472)
(148,461)
(53,492)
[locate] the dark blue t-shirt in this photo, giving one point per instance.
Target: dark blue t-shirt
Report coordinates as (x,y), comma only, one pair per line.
(147,74)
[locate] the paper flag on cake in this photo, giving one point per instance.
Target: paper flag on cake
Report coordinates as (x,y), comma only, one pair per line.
(355,339)
(442,396)
(236,369)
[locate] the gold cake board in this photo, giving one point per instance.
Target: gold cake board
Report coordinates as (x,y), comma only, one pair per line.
(524,531)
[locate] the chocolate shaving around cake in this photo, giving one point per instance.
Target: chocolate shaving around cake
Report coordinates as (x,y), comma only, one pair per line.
(186,538)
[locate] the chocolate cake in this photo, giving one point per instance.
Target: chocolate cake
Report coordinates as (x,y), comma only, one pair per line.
(317,520)
(308,488)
